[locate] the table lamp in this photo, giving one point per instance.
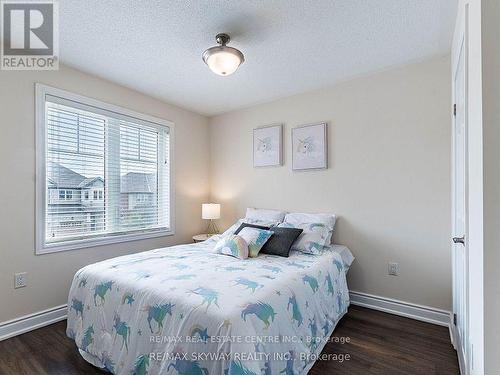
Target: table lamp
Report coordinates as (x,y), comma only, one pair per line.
(211,211)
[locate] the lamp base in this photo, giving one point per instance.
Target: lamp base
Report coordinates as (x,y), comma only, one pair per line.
(212,228)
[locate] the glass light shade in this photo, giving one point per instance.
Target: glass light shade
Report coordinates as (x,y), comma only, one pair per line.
(210,211)
(223,60)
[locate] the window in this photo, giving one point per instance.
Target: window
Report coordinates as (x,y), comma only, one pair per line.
(93,149)
(65,195)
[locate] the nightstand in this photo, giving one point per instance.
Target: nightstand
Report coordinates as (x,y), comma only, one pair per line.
(201,237)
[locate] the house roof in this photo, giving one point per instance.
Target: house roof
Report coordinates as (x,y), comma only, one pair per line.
(60,176)
(90,181)
(133,182)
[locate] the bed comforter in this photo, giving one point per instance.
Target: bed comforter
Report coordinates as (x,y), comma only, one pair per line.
(186,310)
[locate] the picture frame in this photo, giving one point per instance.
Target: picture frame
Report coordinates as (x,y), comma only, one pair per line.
(310,147)
(268,146)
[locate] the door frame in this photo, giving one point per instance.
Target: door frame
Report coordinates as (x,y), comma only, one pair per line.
(460,42)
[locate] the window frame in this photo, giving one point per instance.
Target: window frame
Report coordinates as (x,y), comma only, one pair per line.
(41,197)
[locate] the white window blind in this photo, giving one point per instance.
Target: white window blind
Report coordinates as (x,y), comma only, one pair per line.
(107,175)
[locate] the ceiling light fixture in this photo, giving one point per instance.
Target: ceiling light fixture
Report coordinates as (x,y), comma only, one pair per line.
(223,60)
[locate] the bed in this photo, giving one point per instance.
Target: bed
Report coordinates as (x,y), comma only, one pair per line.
(187,310)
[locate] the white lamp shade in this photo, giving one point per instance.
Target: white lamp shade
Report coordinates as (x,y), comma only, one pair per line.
(210,211)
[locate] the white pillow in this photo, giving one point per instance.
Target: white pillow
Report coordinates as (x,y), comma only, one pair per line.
(313,239)
(265,215)
(232,228)
(301,218)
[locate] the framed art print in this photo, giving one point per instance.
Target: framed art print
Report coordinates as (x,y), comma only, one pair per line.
(267,146)
(309,147)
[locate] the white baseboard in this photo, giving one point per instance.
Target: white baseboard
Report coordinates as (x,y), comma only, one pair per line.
(458,347)
(30,322)
(401,308)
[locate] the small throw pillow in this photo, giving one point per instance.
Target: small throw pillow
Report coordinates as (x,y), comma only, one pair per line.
(255,238)
(232,245)
(244,225)
(281,241)
(314,238)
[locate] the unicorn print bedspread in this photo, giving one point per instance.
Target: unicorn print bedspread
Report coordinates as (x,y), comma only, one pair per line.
(186,310)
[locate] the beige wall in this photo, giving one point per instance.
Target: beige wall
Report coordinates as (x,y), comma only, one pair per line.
(49,276)
(388,177)
(490,14)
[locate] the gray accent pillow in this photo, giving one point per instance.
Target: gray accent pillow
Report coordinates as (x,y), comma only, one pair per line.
(281,241)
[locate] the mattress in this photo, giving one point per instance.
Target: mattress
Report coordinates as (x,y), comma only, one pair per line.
(187,310)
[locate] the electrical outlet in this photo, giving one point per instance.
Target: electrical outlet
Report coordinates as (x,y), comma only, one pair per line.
(20,280)
(393,269)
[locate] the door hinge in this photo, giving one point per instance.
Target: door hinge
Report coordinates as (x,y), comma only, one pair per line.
(454,109)
(455,319)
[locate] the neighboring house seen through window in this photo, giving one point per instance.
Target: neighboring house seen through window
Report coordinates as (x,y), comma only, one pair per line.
(119,158)
(65,195)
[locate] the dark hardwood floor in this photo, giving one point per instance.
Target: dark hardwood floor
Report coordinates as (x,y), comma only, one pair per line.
(379,343)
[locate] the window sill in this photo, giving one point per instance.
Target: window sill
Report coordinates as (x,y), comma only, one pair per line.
(102,241)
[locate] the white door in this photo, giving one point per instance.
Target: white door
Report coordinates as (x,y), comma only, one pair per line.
(460,248)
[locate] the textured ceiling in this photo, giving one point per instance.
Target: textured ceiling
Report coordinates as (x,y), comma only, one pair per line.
(290,46)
